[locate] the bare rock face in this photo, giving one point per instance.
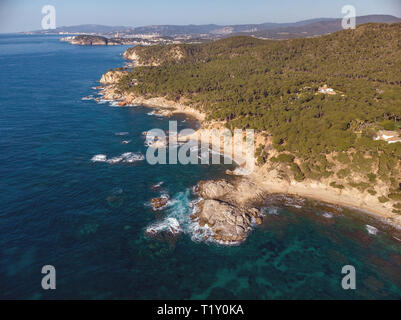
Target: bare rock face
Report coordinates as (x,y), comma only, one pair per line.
(214,189)
(139,56)
(229,221)
(112,77)
(159,203)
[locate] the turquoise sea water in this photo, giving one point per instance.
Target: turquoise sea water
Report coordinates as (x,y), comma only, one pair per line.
(88,219)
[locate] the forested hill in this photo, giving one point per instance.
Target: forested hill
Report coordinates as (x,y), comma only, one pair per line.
(272,86)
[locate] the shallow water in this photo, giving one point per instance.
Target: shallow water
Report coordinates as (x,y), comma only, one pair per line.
(88,219)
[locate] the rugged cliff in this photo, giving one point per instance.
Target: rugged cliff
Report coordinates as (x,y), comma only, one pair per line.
(155,55)
(112,77)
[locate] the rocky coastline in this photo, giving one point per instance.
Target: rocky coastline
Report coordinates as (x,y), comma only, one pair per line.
(228,209)
(231,210)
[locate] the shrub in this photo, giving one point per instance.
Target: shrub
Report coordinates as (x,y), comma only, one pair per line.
(372,177)
(397,206)
(361,186)
(383,199)
(395,196)
(283,158)
(343,158)
(298,174)
(388,125)
(337,186)
(342,173)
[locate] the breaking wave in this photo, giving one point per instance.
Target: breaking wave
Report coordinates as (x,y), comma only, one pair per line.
(178,218)
(127,157)
(99,158)
(371,230)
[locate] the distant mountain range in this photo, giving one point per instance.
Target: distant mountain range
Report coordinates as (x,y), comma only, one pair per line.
(305,28)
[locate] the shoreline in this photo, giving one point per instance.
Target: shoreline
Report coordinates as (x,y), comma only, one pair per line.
(268,181)
(322,194)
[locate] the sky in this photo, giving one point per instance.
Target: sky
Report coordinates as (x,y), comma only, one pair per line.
(25,15)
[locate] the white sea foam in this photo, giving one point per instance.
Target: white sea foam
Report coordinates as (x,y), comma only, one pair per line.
(371,230)
(294,202)
(169,224)
(90,97)
(177,214)
(99,158)
(154,113)
(114,103)
(127,157)
(130,157)
(157,185)
(121,133)
(327,215)
(180,209)
(114,160)
(101,101)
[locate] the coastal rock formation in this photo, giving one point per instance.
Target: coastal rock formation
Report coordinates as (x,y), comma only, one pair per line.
(92,40)
(228,222)
(214,189)
(89,40)
(166,231)
(140,58)
(112,77)
(159,203)
(229,216)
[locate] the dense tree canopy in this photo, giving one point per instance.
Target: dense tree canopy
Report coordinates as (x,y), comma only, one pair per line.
(272,86)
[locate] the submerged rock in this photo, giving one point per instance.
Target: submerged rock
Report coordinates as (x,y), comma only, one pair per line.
(165,231)
(159,203)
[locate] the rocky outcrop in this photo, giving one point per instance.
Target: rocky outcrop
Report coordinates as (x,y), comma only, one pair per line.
(159,203)
(214,189)
(141,57)
(228,222)
(85,40)
(130,54)
(112,77)
(90,40)
(229,217)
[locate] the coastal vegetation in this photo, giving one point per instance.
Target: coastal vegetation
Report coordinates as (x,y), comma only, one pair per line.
(274,88)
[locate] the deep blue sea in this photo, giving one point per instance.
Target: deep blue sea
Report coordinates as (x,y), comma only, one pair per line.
(88,219)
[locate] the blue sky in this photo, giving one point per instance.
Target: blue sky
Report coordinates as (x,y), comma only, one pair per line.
(24,15)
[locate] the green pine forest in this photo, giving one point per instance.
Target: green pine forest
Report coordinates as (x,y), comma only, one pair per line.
(272,87)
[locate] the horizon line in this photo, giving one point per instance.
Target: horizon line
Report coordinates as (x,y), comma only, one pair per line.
(201,24)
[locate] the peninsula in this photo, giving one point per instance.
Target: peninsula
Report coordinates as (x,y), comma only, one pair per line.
(319,107)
